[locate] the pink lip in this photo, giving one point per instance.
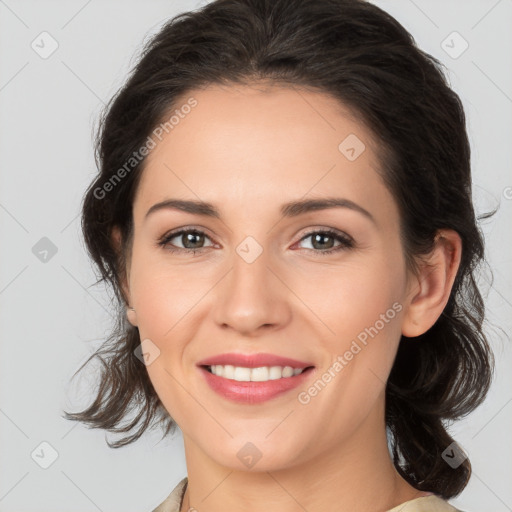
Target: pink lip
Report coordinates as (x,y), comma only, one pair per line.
(253,392)
(253,360)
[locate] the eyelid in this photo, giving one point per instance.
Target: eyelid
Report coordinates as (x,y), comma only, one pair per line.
(345,240)
(204,231)
(331,231)
(164,239)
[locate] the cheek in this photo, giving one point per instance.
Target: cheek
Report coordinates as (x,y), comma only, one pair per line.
(349,297)
(359,307)
(166,300)
(362,307)
(164,295)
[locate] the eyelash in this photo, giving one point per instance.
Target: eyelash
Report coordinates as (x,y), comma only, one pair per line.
(346,241)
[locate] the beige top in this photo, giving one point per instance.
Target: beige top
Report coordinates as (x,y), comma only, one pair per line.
(431,503)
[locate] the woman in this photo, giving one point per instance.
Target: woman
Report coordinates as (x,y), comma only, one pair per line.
(284,212)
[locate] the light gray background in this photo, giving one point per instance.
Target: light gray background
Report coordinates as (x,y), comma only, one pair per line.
(51,317)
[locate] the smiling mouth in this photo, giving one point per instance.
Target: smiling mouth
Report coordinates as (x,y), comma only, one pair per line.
(258,374)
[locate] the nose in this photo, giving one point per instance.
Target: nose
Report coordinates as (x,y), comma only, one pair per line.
(252,298)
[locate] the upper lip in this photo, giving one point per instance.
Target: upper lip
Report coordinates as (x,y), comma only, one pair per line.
(253,360)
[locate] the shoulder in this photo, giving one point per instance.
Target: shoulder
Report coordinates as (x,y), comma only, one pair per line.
(426,504)
(173,502)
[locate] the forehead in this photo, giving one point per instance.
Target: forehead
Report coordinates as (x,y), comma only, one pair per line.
(258,142)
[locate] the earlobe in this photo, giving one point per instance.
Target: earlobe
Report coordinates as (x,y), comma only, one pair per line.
(132,316)
(432,286)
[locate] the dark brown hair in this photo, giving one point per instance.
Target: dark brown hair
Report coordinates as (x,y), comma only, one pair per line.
(359,54)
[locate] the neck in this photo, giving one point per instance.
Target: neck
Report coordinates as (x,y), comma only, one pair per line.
(357,474)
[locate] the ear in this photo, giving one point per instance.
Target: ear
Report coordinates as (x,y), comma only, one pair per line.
(429,291)
(124,277)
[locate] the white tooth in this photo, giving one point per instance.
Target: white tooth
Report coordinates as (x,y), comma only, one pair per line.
(287,371)
(259,374)
(242,374)
(229,371)
(274,373)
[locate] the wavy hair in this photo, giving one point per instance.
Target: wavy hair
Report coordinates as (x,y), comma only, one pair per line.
(360,55)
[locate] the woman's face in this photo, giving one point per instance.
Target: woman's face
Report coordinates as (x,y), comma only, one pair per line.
(268,280)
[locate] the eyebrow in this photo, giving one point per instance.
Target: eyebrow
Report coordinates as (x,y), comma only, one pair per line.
(290,209)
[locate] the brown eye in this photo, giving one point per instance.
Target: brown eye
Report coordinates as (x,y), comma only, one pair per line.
(191,239)
(319,241)
(323,242)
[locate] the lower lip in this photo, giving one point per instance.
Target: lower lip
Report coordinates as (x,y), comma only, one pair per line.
(249,392)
